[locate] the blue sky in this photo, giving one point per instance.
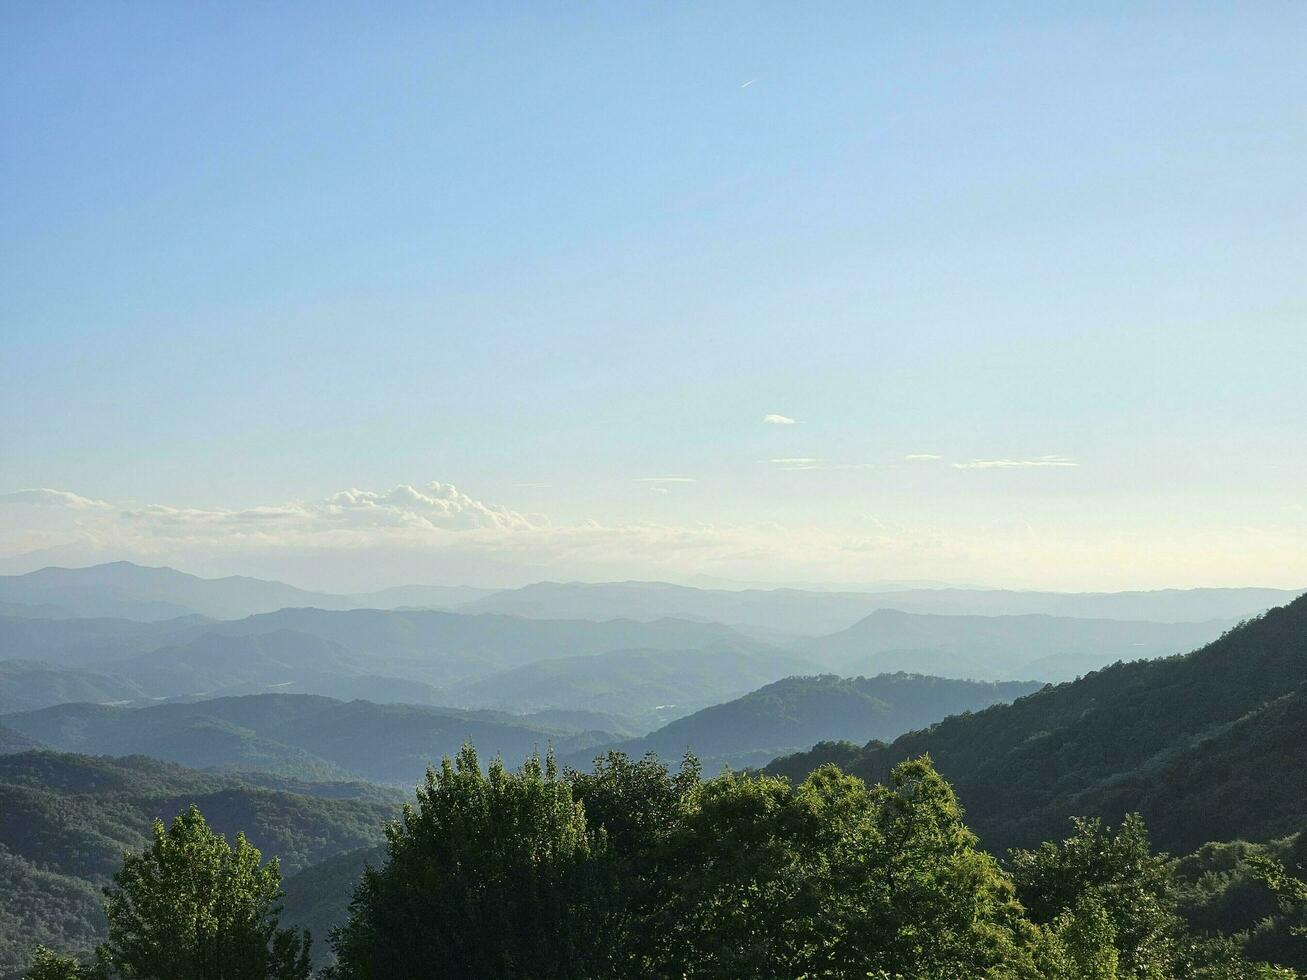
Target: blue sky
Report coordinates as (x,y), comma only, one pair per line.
(254,255)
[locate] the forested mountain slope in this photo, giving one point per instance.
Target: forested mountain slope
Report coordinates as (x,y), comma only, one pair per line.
(1208,744)
(303,736)
(66,819)
(800,711)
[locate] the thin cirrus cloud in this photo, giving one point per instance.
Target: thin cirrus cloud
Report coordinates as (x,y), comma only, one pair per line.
(1016,464)
(45,497)
(797,463)
(923,457)
(774,419)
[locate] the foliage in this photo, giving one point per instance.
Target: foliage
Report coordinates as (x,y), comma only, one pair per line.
(489,875)
(66,820)
(192,905)
(1097,872)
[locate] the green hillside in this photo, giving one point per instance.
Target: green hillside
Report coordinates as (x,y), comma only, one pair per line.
(66,819)
(1207,745)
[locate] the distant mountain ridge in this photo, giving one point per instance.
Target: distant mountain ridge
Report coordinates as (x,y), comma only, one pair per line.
(798,613)
(1033,646)
(126,590)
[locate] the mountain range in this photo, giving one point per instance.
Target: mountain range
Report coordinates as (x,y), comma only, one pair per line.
(128,591)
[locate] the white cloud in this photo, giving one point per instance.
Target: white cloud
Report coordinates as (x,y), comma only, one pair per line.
(922,457)
(774,419)
(794,460)
(45,497)
(660,490)
(1004,464)
(666,479)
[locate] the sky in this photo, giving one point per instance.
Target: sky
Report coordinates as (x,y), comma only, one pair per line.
(1007,294)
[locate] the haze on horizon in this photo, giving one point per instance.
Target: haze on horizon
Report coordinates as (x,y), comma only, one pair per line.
(696,293)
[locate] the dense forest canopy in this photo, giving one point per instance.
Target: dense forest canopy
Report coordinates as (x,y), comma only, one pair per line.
(632,869)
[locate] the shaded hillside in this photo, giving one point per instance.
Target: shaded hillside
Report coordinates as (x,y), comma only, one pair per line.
(801,711)
(802,613)
(442,647)
(402,655)
(1040,647)
(66,819)
(1180,738)
(88,642)
(26,686)
(303,736)
(647,686)
(12,741)
(281,661)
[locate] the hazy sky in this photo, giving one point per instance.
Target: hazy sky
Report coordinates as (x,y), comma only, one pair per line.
(1029,282)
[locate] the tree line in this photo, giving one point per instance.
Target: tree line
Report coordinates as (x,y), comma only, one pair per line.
(633,869)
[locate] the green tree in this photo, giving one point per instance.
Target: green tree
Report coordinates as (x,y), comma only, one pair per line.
(833,879)
(1120,873)
(193,907)
(488,876)
(48,965)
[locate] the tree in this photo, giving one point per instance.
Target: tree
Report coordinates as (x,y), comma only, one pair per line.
(1120,874)
(488,876)
(193,907)
(832,878)
(48,965)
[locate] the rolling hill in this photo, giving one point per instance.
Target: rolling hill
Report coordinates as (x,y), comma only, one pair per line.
(26,686)
(801,711)
(649,687)
(66,819)
(1207,745)
(303,736)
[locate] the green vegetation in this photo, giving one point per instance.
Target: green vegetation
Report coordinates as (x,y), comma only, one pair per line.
(65,821)
(191,905)
(1210,745)
(630,869)
(799,711)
